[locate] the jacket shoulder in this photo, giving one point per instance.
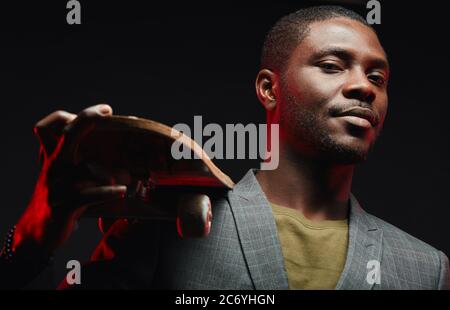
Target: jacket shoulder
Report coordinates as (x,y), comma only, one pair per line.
(410,258)
(395,237)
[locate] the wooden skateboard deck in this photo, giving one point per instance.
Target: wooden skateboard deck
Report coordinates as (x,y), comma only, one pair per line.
(161,187)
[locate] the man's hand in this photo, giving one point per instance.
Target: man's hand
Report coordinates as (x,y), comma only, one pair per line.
(63,191)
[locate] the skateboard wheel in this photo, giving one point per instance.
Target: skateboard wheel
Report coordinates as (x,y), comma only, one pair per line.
(194,216)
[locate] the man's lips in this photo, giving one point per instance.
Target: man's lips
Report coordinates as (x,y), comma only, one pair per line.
(358,116)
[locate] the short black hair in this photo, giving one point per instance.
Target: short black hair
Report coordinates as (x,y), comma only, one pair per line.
(289,31)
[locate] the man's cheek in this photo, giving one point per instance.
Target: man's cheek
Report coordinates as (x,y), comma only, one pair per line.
(383,114)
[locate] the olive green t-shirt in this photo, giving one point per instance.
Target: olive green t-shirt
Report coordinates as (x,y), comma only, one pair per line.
(314,251)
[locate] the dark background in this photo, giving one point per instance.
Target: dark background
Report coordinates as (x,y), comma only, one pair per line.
(171,62)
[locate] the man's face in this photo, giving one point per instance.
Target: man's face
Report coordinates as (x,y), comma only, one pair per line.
(334,92)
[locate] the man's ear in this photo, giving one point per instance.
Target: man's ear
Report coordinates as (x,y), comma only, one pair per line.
(267,86)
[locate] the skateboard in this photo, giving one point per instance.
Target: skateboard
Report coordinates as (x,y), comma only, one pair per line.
(159,187)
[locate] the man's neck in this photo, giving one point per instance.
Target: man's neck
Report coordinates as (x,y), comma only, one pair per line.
(318,189)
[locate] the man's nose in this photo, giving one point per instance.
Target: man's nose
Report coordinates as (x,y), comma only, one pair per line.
(359,87)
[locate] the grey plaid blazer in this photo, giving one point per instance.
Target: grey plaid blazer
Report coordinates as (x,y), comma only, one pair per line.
(243,252)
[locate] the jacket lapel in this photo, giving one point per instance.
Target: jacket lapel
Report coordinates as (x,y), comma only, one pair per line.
(258,235)
(364,246)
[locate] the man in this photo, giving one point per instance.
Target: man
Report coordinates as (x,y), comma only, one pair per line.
(323,79)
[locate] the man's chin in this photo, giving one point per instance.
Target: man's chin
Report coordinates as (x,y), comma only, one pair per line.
(345,154)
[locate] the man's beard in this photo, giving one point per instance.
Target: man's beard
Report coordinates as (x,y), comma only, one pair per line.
(312,131)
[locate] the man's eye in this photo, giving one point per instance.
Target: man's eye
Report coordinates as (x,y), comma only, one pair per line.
(329,67)
(377,79)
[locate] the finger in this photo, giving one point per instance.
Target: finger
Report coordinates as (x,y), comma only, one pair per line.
(76,130)
(99,110)
(68,195)
(101,194)
(57,119)
(50,128)
(61,178)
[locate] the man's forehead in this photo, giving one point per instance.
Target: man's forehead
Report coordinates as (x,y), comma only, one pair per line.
(342,33)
